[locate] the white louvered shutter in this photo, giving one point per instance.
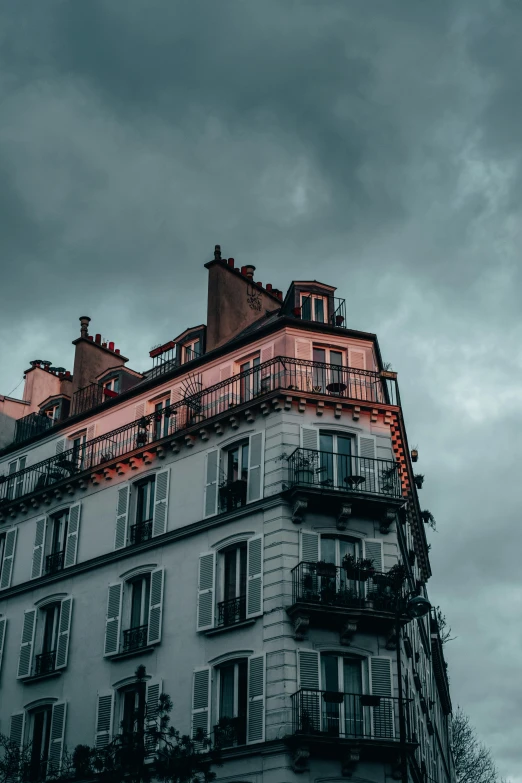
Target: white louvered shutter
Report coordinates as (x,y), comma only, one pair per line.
(25,661)
(38,549)
(60,446)
(267,353)
(225,372)
(3,626)
(122,517)
(367,464)
(211,482)
(254,576)
(64,632)
(201,703)
(139,411)
(308,546)
(73,532)
(255,467)
(7,562)
(16,730)
(303,350)
(161,502)
(309,683)
(310,438)
(153,693)
(206,583)
(357,358)
(56,740)
(373,551)
(89,453)
(91,432)
(113,621)
(256,699)
(381,685)
(155,606)
(104,712)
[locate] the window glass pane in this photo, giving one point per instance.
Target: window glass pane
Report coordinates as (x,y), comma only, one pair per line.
(319,310)
(328,550)
(137,596)
(330,673)
(242,570)
(230,574)
(319,355)
(306,307)
(336,358)
(352,676)
(244,462)
(233,464)
(242,697)
(226,696)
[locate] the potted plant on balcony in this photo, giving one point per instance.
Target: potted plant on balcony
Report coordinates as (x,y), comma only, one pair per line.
(333,697)
(339,320)
(428,518)
(369,700)
(419,480)
(414,454)
(359,569)
(304,463)
(326,569)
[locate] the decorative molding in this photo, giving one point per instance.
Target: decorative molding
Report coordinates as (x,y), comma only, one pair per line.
(301,625)
(386,520)
(356,412)
(301,758)
(299,509)
(347,632)
(345,512)
(320,408)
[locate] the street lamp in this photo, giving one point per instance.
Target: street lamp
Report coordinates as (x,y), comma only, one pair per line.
(411,606)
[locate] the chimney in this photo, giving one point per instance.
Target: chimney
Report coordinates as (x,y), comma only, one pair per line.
(217,252)
(92,357)
(249,271)
(84,325)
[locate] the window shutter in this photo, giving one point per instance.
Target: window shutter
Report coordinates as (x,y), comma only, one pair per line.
(225,372)
(161,502)
(25,661)
(56,740)
(60,446)
(309,679)
(303,350)
(211,482)
(104,710)
(64,630)
(206,582)
(3,626)
(309,546)
(254,576)
(139,411)
(381,685)
(7,563)
(310,438)
(38,549)
(73,530)
(367,464)
(373,551)
(357,358)
(122,517)
(155,606)
(153,693)
(256,699)
(255,467)
(201,703)
(16,731)
(308,672)
(113,622)
(267,353)
(91,432)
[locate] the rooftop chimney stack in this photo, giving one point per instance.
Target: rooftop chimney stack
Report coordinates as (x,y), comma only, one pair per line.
(217,252)
(249,271)
(84,325)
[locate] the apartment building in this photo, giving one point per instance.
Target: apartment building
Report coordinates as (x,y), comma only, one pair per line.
(235,519)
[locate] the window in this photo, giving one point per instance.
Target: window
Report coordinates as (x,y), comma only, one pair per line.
(40,735)
(57,538)
(44,646)
(331,378)
(142,529)
(7,551)
(42,731)
(250,379)
(144,506)
(15,486)
(335,465)
(232,578)
(53,411)
(314,307)
(232,689)
(2,552)
(78,446)
(234,475)
(191,350)
(132,710)
(56,541)
(112,385)
(137,605)
(233,488)
(161,419)
(341,674)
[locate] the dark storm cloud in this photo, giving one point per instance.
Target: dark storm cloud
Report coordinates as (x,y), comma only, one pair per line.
(375,146)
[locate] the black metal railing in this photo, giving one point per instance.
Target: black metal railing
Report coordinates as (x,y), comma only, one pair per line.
(327,470)
(232,494)
(326,584)
(135,638)
(54,562)
(89,397)
(232,611)
(277,374)
(141,532)
(31,425)
(230,732)
(330,310)
(347,715)
(45,663)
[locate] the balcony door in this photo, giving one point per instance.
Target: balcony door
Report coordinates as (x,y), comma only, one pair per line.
(330,378)
(232,703)
(342,716)
(335,459)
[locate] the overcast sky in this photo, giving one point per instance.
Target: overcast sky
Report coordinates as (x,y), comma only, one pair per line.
(374,146)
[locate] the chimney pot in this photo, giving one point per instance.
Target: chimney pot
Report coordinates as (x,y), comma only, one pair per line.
(84,325)
(217,252)
(269,286)
(104,345)
(280,295)
(231,262)
(116,350)
(90,337)
(260,285)
(111,346)
(97,339)
(249,271)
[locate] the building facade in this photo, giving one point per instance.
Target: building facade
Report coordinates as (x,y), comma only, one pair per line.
(242,520)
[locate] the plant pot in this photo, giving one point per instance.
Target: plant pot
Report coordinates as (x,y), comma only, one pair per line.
(297,312)
(419,481)
(317,389)
(390,374)
(414,455)
(333,697)
(339,320)
(305,476)
(326,569)
(369,700)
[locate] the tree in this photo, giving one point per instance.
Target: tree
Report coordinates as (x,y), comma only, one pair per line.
(473,760)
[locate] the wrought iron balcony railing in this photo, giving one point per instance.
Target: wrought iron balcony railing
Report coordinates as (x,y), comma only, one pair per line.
(326,584)
(330,310)
(135,638)
(232,611)
(350,716)
(54,562)
(45,663)
(279,374)
(230,732)
(89,397)
(141,532)
(31,425)
(327,470)
(232,494)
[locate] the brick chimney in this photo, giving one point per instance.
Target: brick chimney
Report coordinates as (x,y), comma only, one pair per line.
(234,299)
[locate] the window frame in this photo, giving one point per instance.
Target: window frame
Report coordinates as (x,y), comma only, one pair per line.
(188,350)
(313,297)
(236,662)
(15,487)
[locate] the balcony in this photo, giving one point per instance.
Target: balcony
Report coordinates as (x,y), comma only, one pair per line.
(45,663)
(31,425)
(135,638)
(232,611)
(281,374)
(325,595)
(89,397)
(330,310)
(232,494)
(141,532)
(54,562)
(230,732)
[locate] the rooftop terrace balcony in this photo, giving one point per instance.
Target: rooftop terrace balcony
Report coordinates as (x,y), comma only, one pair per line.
(89,397)
(309,379)
(31,425)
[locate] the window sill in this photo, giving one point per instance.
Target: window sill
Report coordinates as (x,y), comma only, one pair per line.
(38,677)
(223,628)
(131,653)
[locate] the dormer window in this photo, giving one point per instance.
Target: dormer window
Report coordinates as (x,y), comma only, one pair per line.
(53,411)
(314,307)
(111,386)
(191,350)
